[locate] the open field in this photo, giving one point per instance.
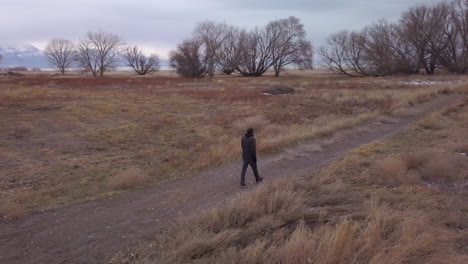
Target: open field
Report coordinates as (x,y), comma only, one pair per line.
(72,139)
(400,200)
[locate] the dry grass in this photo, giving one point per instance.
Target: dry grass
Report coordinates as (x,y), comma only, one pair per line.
(461,148)
(12,211)
(339,214)
(257,122)
(427,166)
(416,160)
(447,168)
(63,139)
(128,178)
(430,122)
(393,172)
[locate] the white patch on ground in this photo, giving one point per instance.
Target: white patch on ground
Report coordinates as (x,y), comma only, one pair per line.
(425,82)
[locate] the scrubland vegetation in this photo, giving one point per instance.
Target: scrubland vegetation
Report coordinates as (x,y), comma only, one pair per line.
(401,200)
(73,139)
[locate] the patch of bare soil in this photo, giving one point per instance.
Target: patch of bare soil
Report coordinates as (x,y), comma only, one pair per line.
(93,232)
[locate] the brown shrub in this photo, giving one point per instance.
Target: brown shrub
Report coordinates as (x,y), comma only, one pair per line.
(429,165)
(128,178)
(441,168)
(415,160)
(450,110)
(430,122)
(23,196)
(446,91)
(393,172)
(12,211)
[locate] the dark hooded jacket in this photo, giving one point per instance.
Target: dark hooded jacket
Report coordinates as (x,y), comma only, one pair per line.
(249,151)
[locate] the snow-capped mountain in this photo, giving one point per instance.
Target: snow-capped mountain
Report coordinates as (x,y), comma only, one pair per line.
(26,55)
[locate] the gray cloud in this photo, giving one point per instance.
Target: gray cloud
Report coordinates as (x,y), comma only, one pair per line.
(160,25)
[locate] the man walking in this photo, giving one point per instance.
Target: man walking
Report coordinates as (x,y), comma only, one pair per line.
(249,156)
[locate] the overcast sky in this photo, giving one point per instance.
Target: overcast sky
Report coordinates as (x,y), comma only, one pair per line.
(158,25)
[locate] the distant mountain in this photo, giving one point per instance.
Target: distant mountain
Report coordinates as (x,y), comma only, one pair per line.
(27,55)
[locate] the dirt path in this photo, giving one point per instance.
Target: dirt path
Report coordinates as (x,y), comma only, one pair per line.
(92,232)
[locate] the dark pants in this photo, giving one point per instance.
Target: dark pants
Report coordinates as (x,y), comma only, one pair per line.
(253,165)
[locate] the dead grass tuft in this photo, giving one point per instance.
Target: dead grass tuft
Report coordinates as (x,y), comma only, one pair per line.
(430,122)
(442,168)
(283,199)
(257,122)
(415,160)
(435,165)
(430,166)
(12,211)
(393,172)
(128,178)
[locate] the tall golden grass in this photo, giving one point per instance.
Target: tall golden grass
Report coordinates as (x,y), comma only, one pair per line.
(360,209)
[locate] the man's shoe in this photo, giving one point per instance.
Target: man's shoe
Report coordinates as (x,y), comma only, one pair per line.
(242,185)
(260,180)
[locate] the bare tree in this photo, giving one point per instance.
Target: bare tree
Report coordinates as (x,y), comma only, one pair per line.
(379,54)
(188,60)
(426,37)
(228,57)
(254,52)
(304,57)
(454,55)
(140,63)
(288,44)
(211,35)
(355,51)
(249,52)
(405,56)
(420,26)
(366,53)
(60,53)
(99,52)
(336,54)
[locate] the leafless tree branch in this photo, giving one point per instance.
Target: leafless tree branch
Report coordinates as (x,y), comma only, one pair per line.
(99,52)
(140,63)
(60,53)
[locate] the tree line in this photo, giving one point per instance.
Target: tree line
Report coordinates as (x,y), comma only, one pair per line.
(213,48)
(97,53)
(222,48)
(425,38)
